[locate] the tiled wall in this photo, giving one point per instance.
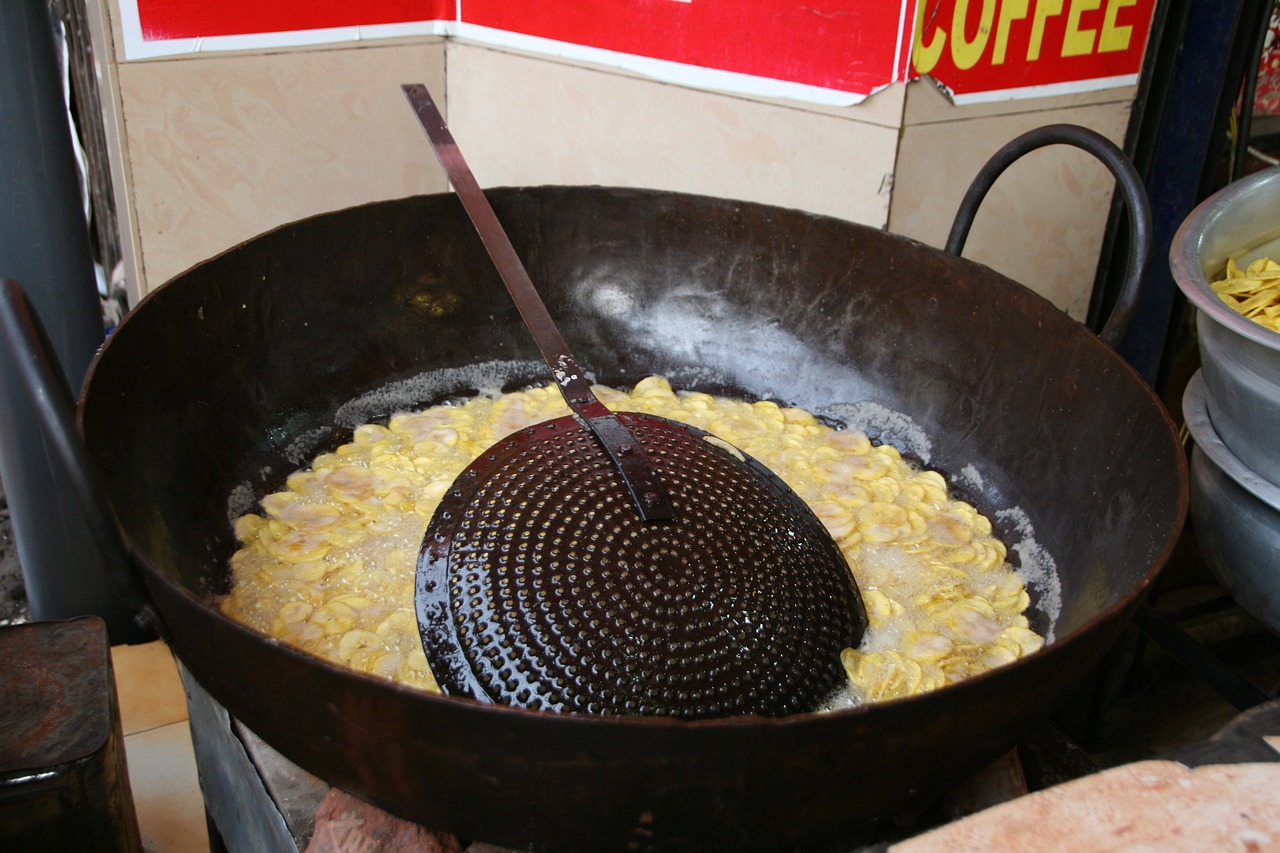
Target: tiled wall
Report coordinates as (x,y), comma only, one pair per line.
(216,148)
(530,121)
(222,148)
(1042,223)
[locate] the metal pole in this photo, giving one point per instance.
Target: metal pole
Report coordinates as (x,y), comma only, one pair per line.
(44,244)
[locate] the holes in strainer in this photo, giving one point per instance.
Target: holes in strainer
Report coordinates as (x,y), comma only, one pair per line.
(604,614)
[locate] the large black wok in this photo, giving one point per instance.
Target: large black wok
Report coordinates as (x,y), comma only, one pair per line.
(229,377)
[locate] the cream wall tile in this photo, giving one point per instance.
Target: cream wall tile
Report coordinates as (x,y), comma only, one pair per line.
(166,790)
(524,121)
(1043,222)
(147,683)
(925,103)
(883,108)
(223,148)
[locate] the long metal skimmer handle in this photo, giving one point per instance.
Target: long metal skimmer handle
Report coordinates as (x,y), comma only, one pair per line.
(647,491)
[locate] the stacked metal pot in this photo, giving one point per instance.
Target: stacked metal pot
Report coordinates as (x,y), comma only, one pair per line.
(1232,406)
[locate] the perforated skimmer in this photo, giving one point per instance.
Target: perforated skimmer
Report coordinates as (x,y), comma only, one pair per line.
(623,563)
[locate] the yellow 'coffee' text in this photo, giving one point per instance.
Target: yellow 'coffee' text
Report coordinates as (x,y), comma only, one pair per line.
(1000,18)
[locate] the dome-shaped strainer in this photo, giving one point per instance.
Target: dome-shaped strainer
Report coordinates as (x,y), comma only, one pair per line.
(623,564)
(539,585)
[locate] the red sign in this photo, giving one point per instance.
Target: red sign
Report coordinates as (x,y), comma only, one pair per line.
(164,20)
(832,44)
(976,48)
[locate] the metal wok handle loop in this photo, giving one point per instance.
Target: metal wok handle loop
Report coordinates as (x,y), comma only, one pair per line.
(1127,179)
(27,347)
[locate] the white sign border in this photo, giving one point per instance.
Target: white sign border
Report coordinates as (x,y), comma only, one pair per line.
(138,48)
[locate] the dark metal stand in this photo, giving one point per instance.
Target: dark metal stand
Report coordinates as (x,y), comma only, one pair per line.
(1195,657)
(1177,137)
(64,783)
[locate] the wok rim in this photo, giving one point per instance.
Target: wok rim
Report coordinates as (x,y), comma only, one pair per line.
(725,783)
(1120,608)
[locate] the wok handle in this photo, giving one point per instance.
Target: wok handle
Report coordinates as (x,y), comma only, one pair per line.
(27,347)
(647,490)
(1131,187)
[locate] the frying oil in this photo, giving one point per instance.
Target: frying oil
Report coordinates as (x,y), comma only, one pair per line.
(327,564)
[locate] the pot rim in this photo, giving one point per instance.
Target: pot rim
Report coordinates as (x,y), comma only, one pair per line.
(1191,244)
(1195,409)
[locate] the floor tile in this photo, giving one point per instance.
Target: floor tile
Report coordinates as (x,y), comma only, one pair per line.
(166,790)
(147,683)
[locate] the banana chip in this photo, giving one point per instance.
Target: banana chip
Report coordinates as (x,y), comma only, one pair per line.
(328,563)
(1255,293)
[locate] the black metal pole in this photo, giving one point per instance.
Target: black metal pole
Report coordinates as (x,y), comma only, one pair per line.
(1202,662)
(44,244)
(1178,146)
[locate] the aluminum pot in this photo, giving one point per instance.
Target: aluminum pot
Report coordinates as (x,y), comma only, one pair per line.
(1240,359)
(224,380)
(1236,514)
